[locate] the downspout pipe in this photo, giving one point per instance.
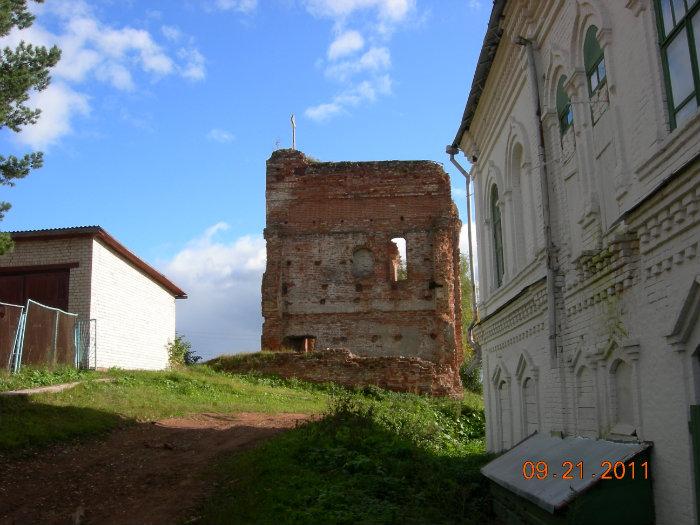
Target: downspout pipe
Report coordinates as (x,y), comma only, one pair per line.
(452,151)
(544,190)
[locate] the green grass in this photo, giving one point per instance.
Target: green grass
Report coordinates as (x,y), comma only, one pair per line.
(34,377)
(377,458)
(145,396)
(235,362)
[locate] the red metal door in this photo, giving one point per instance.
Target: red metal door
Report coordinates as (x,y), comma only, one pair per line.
(12,289)
(50,288)
(46,287)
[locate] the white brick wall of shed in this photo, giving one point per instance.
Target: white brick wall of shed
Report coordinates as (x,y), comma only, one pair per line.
(135,315)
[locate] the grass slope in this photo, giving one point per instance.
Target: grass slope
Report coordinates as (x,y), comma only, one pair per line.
(145,396)
(35,377)
(377,458)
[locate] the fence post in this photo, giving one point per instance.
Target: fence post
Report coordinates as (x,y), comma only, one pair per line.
(55,339)
(15,343)
(76,343)
(19,341)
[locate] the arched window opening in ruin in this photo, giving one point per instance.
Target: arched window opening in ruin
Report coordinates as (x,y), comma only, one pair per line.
(622,402)
(362,263)
(398,259)
(499,267)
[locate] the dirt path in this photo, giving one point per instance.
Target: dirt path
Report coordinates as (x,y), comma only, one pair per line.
(142,474)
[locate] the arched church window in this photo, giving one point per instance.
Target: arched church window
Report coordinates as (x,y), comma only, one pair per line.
(564,112)
(530,414)
(622,402)
(594,61)
(497,236)
(504,405)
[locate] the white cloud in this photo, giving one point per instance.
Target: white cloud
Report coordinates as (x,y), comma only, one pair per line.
(364,77)
(192,64)
(116,74)
(58,104)
(64,9)
(392,10)
(323,112)
(172,33)
(365,91)
(345,44)
(221,135)
(222,280)
(374,60)
(92,49)
(243,6)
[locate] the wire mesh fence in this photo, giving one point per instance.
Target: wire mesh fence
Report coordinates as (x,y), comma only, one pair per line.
(46,337)
(10,317)
(86,342)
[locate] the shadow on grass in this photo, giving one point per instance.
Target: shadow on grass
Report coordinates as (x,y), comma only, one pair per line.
(347,469)
(144,473)
(26,424)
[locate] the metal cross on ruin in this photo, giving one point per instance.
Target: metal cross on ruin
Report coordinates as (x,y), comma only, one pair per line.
(294,132)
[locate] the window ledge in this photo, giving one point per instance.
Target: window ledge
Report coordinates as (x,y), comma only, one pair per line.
(623,432)
(526,276)
(668,147)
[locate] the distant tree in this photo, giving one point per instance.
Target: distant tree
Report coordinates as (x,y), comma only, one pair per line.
(471,375)
(466,286)
(22,69)
(401,270)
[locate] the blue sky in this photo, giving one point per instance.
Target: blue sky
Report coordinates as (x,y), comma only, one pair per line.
(161,115)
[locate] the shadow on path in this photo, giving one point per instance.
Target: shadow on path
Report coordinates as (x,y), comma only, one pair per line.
(140,473)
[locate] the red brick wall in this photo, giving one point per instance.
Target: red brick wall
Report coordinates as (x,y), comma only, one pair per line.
(406,374)
(318,215)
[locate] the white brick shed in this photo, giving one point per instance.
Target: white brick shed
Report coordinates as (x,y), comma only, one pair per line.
(86,271)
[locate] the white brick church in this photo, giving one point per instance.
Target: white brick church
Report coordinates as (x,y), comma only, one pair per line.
(583,130)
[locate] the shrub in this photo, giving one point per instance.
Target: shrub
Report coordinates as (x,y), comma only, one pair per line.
(180,352)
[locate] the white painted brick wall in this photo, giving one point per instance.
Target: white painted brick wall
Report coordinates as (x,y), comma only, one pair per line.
(135,315)
(614,165)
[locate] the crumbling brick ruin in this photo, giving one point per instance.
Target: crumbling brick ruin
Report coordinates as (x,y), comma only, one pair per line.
(335,279)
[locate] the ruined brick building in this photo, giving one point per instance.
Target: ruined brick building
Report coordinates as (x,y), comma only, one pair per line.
(336,286)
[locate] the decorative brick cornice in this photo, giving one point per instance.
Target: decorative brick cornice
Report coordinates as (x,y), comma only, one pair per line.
(666,222)
(636,6)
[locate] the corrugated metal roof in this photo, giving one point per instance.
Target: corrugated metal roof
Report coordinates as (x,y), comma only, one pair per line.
(553,493)
(67,229)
